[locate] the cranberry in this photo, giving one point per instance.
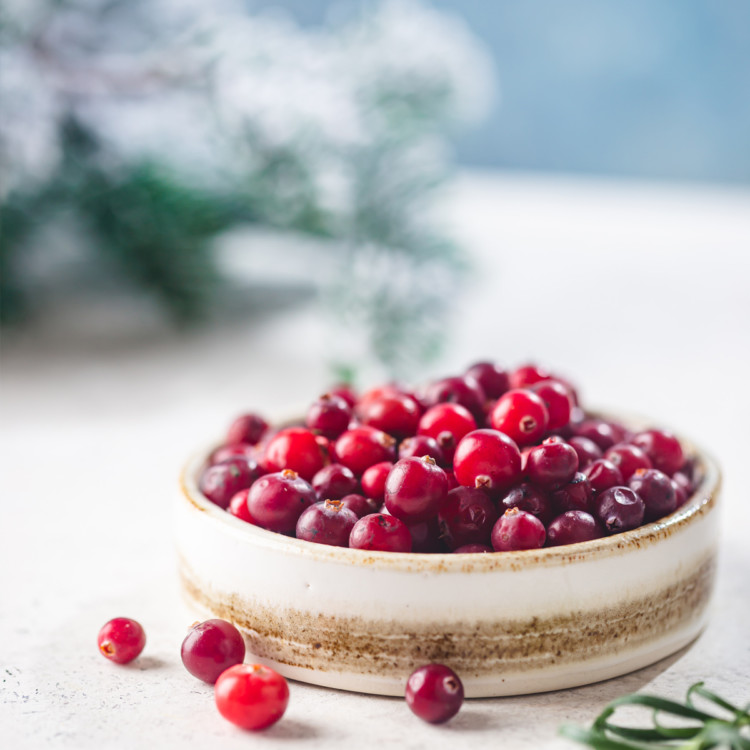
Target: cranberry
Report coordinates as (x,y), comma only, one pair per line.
(517,530)
(557,399)
(238,506)
(528,497)
(552,464)
(572,527)
(493,380)
(359,504)
(603,474)
(210,647)
(576,495)
(228,452)
(121,640)
(682,481)
(219,483)
(361,447)
(276,501)
(526,375)
(600,432)
(379,531)
(662,448)
(447,424)
(656,490)
(345,391)
(521,415)
(680,495)
(466,517)
(470,549)
(252,696)
(334,481)
(247,428)
(297,449)
(434,693)
(329,416)
(487,459)
(452,481)
(588,451)
(373,480)
(458,390)
(396,414)
(415,489)
(421,445)
(627,458)
(327,522)
(425,536)
(619,509)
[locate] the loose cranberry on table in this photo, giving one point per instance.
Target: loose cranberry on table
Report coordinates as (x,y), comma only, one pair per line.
(434,693)
(558,400)
(361,447)
(276,501)
(382,532)
(395,413)
(572,527)
(466,517)
(121,640)
(657,492)
(528,497)
(517,530)
(297,449)
(247,428)
(552,464)
(627,458)
(252,696)
(662,448)
(415,489)
(487,459)
(210,647)
(334,481)
(221,482)
(373,480)
(521,415)
(327,522)
(421,445)
(328,416)
(492,378)
(619,509)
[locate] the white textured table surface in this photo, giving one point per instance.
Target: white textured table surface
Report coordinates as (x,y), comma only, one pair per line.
(641,293)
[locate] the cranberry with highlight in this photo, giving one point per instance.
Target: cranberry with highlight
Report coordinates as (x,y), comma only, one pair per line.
(662,448)
(276,501)
(421,445)
(466,517)
(361,505)
(558,400)
(334,481)
(575,495)
(517,530)
(121,640)
(327,522)
(603,474)
(521,415)
(528,497)
(251,696)
(373,480)
(465,391)
(210,647)
(221,482)
(619,509)
(396,414)
(600,432)
(552,464)
(415,489)
(328,416)
(492,378)
(297,449)
(360,447)
(572,527)
(526,375)
(487,459)
(656,490)
(588,451)
(382,532)
(627,458)
(434,693)
(247,428)
(238,506)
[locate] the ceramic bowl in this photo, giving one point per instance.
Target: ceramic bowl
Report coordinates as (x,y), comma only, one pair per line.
(508,623)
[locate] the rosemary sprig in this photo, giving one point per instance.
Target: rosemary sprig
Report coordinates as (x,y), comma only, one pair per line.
(704,728)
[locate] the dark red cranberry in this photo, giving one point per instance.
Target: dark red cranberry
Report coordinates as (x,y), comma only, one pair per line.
(472,549)
(228,452)
(276,501)
(603,474)
(576,495)
(210,647)
(373,480)
(361,505)
(396,414)
(521,415)
(219,483)
(619,509)
(487,459)
(425,536)
(121,640)
(682,481)
(526,375)
(421,445)
(627,458)
(379,531)
(327,522)
(334,481)
(329,416)
(552,464)
(528,497)
(434,693)
(297,449)
(493,379)
(238,506)
(588,451)
(345,391)
(680,495)
(466,517)
(415,489)
(656,490)
(600,432)
(556,397)
(361,447)
(572,527)
(247,428)
(662,448)
(516,530)
(327,449)
(458,390)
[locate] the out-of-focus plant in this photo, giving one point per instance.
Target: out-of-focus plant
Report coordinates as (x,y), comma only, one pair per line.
(147,127)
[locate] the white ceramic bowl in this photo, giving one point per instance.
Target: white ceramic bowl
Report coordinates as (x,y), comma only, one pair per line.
(508,623)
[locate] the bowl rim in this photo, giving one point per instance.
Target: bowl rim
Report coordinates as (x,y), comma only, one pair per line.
(703,499)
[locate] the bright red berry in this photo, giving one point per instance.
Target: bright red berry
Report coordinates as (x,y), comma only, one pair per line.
(421,445)
(415,489)
(361,505)
(492,378)
(487,459)
(252,696)
(238,506)
(627,458)
(373,480)
(379,531)
(361,447)
(558,400)
(603,474)
(334,481)
(121,640)
(395,413)
(297,449)
(521,415)
(327,522)
(662,448)
(517,530)
(328,416)
(434,693)
(526,375)
(276,501)
(210,647)
(247,428)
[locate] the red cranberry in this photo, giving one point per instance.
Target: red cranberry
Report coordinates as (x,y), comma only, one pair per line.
(552,464)
(627,458)
(415,489)
(425,536)
(493,379)
(680,495)
(334,481)
(466,517)
(517,530)
(458,390)
(588,451)
(121,640)
(238,506)
(327,522)
(557,399)
(572,527)
(251,696)
(396,414)
(329,416)
(228,452)
(247,428)
(373,480)
(619,509)
(345,391)
(682,481)
(434,693)
(361,447)
(379,531)
(600,432)
(662,448)
(576,495)
(210,647)
(521,415)
(276,501)
(603,474)
(656,490)
(421,445)
(528,497)
(361,505)
(452,481)
(471,549)
(526,375)
(219,483)
(297,449)
(487,459)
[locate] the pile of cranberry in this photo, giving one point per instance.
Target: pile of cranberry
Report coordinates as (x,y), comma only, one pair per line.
(486,461)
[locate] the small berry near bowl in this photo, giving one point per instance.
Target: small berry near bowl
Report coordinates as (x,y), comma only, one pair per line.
(434,693)
(251,696)
(210,647)
(121,640)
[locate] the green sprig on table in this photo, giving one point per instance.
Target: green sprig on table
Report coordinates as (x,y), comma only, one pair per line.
(705,729)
